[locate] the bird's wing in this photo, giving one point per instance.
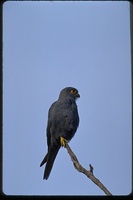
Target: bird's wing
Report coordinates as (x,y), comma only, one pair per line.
(44,160)
(49,124)
(53,147)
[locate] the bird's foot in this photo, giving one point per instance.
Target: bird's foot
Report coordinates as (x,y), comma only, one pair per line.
(63,141)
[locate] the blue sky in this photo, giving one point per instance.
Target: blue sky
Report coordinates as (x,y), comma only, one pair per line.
(51,45)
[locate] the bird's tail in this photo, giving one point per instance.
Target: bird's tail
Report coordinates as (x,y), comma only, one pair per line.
(49,160)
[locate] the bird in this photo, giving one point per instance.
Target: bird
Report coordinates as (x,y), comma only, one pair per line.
(62,124)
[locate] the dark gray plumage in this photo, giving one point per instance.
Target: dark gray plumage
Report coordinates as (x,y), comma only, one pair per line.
(63,121)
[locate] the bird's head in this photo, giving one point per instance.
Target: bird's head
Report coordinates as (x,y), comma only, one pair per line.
(69,92)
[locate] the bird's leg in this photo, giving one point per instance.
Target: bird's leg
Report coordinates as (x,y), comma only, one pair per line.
(63,141)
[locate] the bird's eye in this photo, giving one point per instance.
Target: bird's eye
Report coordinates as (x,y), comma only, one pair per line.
(73,91)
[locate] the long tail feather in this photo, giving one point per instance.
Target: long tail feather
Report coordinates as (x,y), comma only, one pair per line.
(49,159)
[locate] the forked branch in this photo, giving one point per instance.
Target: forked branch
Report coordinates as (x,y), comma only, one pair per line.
(88,173)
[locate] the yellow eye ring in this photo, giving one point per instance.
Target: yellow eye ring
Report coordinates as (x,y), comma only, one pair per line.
(73,91)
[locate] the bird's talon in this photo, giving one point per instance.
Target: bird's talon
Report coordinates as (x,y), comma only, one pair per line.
(63,141)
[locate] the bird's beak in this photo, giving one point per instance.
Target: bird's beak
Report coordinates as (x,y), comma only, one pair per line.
(78,95)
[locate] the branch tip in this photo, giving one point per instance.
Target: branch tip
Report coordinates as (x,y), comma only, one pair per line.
(88,173)
(91,168)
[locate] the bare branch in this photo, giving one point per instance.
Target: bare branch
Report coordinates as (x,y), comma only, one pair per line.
(89,174)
